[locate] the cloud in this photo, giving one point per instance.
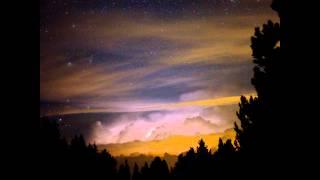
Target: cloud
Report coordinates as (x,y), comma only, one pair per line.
(124,132)
(145,106)
(117,63)
(194,95)
(147,126)
(146,77)
(100,131)
(199,121)
(220,101)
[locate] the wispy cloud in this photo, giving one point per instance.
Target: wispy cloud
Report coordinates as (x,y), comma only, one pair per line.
(183,65)
(132,58)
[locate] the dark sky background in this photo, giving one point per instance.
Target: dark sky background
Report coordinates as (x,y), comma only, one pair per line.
(125,70)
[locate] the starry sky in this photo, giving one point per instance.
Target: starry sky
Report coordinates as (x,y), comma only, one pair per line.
(124,70)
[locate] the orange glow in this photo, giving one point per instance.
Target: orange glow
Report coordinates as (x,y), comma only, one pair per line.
(204,103)
(173,145)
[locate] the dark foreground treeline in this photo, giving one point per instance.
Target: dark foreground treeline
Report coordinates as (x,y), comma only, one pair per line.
(78,159)
(255,153)
(140,159)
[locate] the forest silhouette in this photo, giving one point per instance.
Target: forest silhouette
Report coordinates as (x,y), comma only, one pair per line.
(252,150)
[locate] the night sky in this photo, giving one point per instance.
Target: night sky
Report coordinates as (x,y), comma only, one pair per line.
(125,70)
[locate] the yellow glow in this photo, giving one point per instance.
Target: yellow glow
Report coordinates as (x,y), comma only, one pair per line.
(172,145)
(213,102)
(207,102)
(220,101)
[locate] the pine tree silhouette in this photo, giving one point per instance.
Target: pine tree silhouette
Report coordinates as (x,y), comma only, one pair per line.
(124,171)
(106,165)
(145,172)
(257,133)
(75,160)
(255,113)
(136,175)
(225,153)
(193,164)
(159,169)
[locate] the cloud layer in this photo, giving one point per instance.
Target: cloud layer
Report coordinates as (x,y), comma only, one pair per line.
(164,68)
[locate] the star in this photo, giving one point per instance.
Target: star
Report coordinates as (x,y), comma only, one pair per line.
(69,64)
(90,61)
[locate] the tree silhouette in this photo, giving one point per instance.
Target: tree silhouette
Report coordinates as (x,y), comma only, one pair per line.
(106,165)
(136,175)
(255,114)
(202,151)
(75,160)
(225,153)
(159,169)
(124,171)
(53,149)
(194,164)
(145,172)
(256,136)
